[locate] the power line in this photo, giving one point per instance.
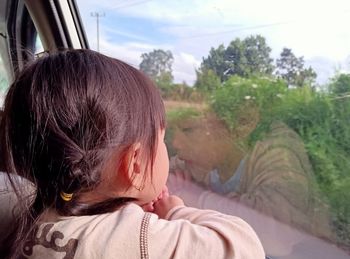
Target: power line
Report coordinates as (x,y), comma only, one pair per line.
(98,15)
(132,4)
(250,28)
(235,30)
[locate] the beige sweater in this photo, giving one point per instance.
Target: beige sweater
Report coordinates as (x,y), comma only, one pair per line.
(132,233)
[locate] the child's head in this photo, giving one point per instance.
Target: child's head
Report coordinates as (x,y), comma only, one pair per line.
(205,143)
(81,123)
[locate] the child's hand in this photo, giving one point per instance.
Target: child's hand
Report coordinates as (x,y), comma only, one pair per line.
(164,205)
(149,207)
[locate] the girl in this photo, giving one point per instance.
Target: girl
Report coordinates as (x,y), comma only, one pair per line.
(88,131)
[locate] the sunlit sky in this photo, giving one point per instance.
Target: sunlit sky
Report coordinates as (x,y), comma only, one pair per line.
(317,30)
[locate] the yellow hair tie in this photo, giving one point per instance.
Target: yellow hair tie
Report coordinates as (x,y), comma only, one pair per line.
(66,196)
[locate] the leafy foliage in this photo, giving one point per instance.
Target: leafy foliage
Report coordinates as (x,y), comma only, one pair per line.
(207,80)
(340,84)
(165,83)
(237,92)
(319,119)
(216,62)
(291,69)
(158,66)
(156,63)
(249,57)
(181,92)
(244,58)
(241,89)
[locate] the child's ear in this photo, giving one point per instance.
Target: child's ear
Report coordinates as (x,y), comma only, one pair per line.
(134,170)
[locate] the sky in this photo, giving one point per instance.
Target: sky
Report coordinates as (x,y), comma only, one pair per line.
(317,30)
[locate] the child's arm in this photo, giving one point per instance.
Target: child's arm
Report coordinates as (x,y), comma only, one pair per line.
(199,233)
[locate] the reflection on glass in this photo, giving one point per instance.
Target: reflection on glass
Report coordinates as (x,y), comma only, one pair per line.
(258,108)
(274,176)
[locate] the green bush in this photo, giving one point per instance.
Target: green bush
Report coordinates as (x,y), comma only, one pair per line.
(236,92)
(321,120)
(340,84)
(207,80)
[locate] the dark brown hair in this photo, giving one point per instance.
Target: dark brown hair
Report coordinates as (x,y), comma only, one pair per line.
(65,116)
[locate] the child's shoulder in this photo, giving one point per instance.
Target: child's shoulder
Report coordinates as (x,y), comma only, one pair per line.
(128,214)
(86,235)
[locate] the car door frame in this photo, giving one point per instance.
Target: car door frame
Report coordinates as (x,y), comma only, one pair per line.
(56,22)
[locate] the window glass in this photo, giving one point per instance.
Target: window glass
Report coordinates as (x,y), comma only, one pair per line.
(257,95)
(3,82)
(38,45)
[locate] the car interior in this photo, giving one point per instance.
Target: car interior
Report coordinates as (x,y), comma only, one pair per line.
(29,28)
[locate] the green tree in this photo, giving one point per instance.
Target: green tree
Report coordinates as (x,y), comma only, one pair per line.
(165,83)
(340,84)
(181,92)
(216,62)
(207,80)
(235,59)
(244,58)
(158,66)
(156,63)
(291,69)
(249,57)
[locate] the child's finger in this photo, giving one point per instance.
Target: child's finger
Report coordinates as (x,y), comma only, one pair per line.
(162,207)
(148,207)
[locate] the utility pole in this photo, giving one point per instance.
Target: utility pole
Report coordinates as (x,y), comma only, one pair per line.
(98,15)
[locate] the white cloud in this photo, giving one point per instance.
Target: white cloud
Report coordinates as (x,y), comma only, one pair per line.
(122,52)
(128,52)
(317,30)
(226,12)
(324,67)
(189,59)
(184,68)
(327,68)
(184,63)
(128,35)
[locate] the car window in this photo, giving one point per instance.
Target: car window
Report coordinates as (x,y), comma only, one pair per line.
(257,102)
(3,82)
(38,45)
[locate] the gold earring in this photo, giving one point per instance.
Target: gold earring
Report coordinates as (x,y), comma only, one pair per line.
(66,196)
(139,188)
